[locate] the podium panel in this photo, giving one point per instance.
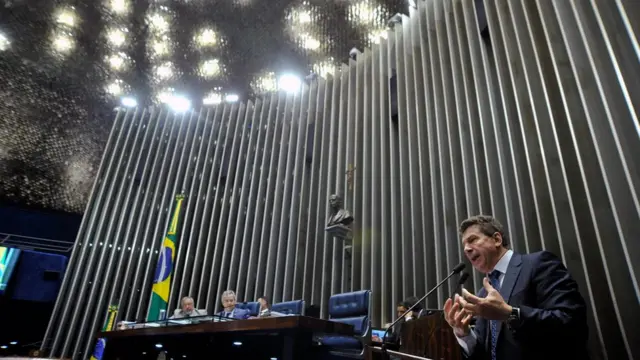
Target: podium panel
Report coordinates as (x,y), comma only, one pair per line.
(430,337)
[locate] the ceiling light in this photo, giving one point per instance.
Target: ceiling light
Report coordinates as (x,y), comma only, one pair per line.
(212,99)
(179,103)
(159,23)
(13,343)
(114,88)
(160,47)
(4,42)
(164,71)
(119,6)
(210,68)
(117,37)
(66,17)
(289,83)
(207,37)
(232,98)
(237,343)
(159,346)
(63,43)
(129,102)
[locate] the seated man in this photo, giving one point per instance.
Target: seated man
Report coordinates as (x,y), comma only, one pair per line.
(229,305)
(187,310)
(265,308)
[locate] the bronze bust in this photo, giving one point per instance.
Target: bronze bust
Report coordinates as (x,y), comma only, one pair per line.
(338,216)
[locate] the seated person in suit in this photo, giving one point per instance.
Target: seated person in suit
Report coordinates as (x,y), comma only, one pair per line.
(393,336)
(187,310)
(229,305)
(529,307)
(265,308)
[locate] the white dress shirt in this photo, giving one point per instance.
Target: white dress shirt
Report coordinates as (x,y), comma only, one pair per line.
(468,343)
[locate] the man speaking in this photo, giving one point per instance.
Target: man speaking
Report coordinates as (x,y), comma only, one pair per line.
(529,306)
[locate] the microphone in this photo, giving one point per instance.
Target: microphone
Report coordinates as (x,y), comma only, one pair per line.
(463,278)
(455,270)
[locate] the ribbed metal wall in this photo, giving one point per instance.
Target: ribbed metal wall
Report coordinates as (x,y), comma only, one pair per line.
(538,128)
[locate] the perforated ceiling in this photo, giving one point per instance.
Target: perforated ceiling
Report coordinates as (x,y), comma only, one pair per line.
(65,65)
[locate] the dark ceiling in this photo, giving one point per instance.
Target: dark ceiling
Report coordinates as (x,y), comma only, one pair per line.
(65,65)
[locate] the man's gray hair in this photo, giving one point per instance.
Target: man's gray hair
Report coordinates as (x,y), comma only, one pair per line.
(186,298)
(228,293)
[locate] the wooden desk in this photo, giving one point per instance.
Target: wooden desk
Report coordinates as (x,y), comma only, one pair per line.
(285,338)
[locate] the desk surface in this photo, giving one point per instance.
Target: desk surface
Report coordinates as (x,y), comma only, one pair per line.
(298,323)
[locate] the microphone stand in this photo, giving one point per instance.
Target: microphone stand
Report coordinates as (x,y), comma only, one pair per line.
(456,270)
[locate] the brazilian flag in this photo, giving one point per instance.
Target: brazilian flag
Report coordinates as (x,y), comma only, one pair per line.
(164,269)
(108,326)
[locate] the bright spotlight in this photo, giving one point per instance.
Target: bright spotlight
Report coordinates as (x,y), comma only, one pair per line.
(289,83)
(232,98)
(179,103)
(159,346)
(3,347)
(129,102)
(13,343)
(4,42)
(237,343)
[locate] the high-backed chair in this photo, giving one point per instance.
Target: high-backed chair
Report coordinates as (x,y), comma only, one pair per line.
(253,307)
(352,308)
(295,307)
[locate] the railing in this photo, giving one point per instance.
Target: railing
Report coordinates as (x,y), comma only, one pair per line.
(34,243)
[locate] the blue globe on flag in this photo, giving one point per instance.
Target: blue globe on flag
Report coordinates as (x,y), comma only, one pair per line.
(165,265)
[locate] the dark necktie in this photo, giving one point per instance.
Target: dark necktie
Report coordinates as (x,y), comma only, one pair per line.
(494,278)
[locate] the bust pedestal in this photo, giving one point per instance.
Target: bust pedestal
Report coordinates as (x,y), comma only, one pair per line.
(341,234)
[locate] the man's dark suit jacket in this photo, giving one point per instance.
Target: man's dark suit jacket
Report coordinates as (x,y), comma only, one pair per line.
(238,314)
(552,313)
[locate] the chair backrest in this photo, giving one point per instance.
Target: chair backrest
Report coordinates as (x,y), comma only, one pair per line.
(295,307)
(253,307)
(352,308)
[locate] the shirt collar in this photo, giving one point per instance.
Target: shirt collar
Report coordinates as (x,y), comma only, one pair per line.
(503,263)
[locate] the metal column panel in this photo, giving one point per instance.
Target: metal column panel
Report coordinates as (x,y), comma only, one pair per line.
(112,239)
(294,259)
(207,189)
(234,178)
(228,166)
(95,198)
(271,188)
(187,187)
(260,181)
(251,152)
(286,243)
(83,269)
(309,220)
(280,182)
(314,269)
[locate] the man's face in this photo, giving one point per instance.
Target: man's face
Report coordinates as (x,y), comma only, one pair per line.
(401,310)
(187,305)
(228,302)
(481,250)
(263,303)
(333,201)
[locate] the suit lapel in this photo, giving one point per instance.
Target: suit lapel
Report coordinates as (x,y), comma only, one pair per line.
(511,276)
(510,279)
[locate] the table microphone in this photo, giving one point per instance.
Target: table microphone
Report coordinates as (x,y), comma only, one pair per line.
(455,270)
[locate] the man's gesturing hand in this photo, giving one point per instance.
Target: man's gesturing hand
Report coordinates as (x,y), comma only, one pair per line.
(457,317)
(492,307)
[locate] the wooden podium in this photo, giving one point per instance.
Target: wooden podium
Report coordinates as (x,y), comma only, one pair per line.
(430,337)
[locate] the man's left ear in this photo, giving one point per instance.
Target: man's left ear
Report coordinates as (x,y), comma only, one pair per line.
(498,238)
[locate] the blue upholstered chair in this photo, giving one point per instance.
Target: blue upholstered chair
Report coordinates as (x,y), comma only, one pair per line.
(295,307)
(352,308)
(253,307)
